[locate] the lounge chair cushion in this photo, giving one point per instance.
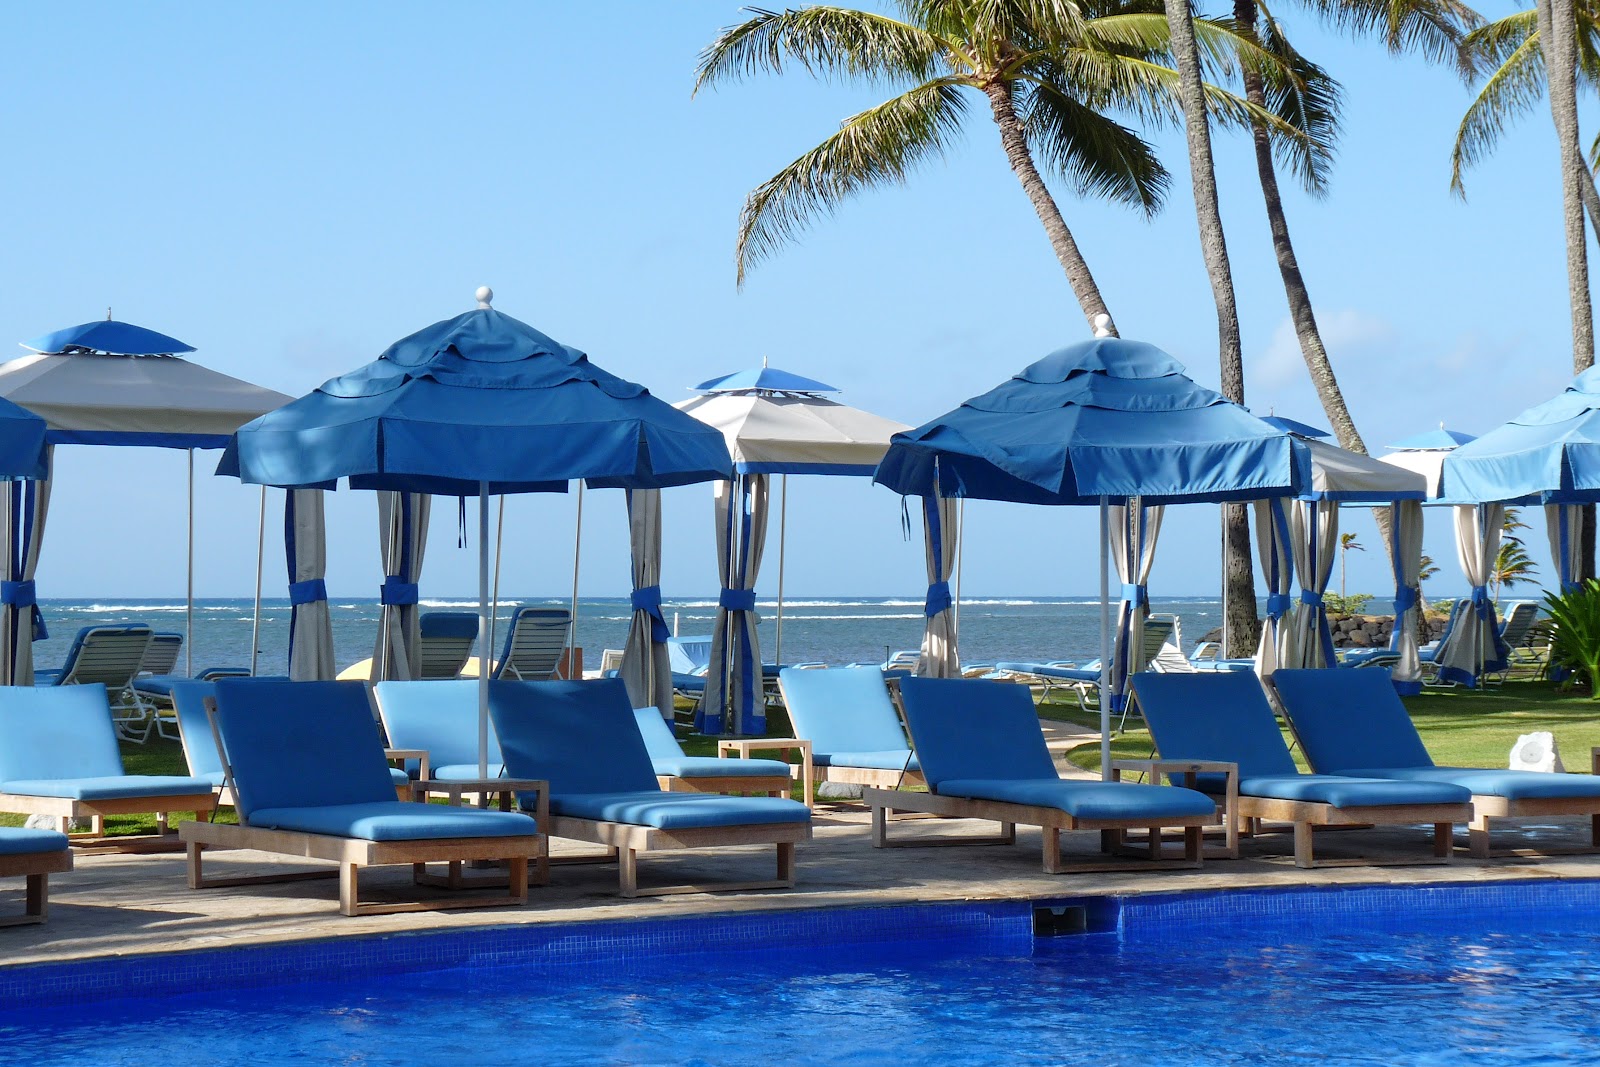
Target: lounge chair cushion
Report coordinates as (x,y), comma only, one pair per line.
(975,730)
(1492,782)
(1358,791)
(1086,800)
(465,772)
(111,787)
(581,737)
(56,733)
(712,767)
(1045,670)
(23,841)
(1350,719)
(892,760)
(678,811)
(1216,716)
(843,709)
(157,685)
(301,744)
(395,820)
(439,716)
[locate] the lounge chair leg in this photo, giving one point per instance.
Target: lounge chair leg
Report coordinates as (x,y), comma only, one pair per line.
(628,871)
(1594,830)
(38,906)
(161,824)
(1052,849)
(1478,838)
(517,877)
(880,826)
(349,889)
(196,879)
(1303,845)
(1008,833)
(1444,844)
(1193,841)
(786,867)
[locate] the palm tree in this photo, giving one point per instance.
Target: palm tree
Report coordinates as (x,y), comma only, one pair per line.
(1348,543)
(1050,71)
(1512,565)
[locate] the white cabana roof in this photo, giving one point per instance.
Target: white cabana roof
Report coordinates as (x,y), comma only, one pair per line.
(1428,464)
(795,433)
(1338,474)
(166,401)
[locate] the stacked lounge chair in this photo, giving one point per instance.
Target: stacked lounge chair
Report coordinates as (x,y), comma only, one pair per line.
(110,656)
(34,855)
(535,640)
(306,768)
(583,739)
(854,733)
(1084,679)
(1353,722)
(446,643)
(984,756)
(59,757)
(1225,717)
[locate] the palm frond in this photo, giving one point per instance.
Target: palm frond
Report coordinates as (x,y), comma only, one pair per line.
(1433,29)
(879,146)
(834,42)
(1306,97)
(1491,44)
(1100,156)
(1508,93)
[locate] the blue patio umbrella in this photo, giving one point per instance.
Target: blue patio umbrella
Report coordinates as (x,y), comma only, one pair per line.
(1101,422)
(1549,454)
(109,337)
(477,405)
(1278,422)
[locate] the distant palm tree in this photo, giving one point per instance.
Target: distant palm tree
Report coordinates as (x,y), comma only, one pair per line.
(1051,71)
(1512,564)
(1348,543)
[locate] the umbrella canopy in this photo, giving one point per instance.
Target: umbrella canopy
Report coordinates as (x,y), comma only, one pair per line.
(113,383)
(774,430)
(1291,426)
(480,398)
(1424,454)
(1333,473)
(1550,453)
(1433,441)
(768,379)
(1104,418)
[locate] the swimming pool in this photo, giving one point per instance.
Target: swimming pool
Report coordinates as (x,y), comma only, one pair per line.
(1496,974)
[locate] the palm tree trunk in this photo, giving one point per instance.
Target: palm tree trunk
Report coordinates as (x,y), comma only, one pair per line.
(1239,594)
(1556,28)
(1015,142)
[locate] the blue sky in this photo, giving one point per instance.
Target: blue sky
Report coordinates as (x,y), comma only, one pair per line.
(291,187)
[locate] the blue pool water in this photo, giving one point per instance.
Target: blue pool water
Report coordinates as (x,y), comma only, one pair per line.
(1326,980)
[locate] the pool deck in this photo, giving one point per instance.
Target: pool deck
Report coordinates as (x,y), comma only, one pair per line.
(124,905)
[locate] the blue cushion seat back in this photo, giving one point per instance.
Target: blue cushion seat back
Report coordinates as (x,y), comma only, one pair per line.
(1348,719)
(659,740)
(440,716)
(967,728)
(194,726)
(581,737)
(842,709)
(301,744)
(460,625)
(1214,716)
(59,732)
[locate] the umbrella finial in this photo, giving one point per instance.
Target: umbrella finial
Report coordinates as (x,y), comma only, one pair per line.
(1102,325)
(108,314)
(484,295)
(763,362)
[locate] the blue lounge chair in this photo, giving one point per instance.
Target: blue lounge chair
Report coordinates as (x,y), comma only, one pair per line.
(1355,723)
(306,768)
(984,756)
(59,757)
(534,642)
(583,739)
(34,855)
(447,640)
(189,697)
(678,773)
(441,719)
(1225,716)
(111,657)
(855,735)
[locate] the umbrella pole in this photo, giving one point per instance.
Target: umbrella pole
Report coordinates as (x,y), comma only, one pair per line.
(577,545)
(261,544)
(494,600)
(1105,639)
(483,623)
(188,604)
(961,541)
(783,535)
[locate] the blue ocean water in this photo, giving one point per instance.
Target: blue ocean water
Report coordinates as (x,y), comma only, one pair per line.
(832,630)
(1509,989)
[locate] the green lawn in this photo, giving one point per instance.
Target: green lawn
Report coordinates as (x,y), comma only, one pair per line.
(1460,727)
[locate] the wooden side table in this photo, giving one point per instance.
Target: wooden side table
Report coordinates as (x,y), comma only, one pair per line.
(1155,768)
(741,747)
(454,794)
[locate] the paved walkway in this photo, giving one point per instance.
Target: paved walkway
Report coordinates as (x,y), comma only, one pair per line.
(113,905)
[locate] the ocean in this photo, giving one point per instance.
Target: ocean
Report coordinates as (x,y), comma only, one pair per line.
(833,630)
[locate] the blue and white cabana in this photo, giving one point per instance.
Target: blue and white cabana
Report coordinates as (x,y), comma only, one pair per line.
(1109,423)
(774,423)
(477,405)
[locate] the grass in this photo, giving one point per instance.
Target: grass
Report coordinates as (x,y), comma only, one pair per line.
(1461,727)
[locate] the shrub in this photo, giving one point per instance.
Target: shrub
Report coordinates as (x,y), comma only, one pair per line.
(1354,604)
(1575,644)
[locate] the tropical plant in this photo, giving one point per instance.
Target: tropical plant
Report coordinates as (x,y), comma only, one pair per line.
(1512,564)
(1053,72)
(1575,623)
(1339,604)
(1348,543)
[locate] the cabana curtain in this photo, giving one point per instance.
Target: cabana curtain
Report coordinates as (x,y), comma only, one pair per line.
(1134,529)
(1474,646)
(732,702)
(25,505)
(940,531)
(1314,527)
(305,551)
(646,671)
(1407,564)
(1274,546)
(1565,525)
(402,538)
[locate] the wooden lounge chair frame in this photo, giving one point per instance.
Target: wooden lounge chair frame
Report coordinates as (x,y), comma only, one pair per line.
(36,867)
(767,785)
(67,809)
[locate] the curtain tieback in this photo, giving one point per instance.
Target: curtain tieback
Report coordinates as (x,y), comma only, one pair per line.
(938,600)
(1311,598)
(396,593)
(18,594)
(737,600)
(1137,595)
(1278,605)
(1481,602)
(1406,597)
(647,598)
(307,592)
